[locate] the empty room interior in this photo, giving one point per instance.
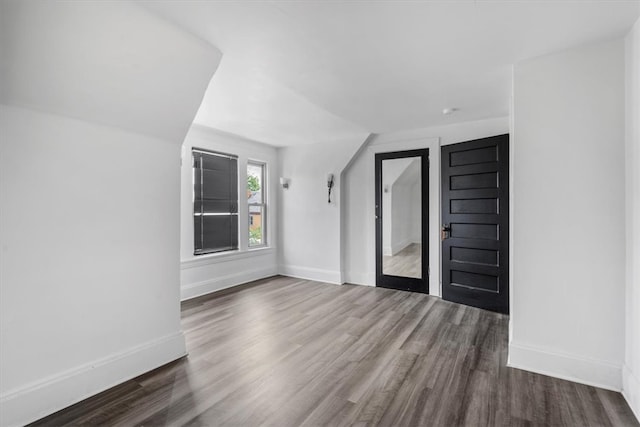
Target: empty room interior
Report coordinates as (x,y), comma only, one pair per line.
(395,213)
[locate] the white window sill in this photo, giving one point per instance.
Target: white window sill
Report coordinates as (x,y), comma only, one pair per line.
(208,259)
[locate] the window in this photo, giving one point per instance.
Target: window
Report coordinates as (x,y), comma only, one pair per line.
(215,202)
(257,207)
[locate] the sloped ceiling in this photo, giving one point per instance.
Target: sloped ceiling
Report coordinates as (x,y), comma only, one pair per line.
(379,65)
(244,101)
(110,62)
(411,175)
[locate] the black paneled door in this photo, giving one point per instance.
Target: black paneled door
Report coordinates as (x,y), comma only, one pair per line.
(475,223)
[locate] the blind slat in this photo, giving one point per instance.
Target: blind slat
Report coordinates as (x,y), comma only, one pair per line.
(215,192)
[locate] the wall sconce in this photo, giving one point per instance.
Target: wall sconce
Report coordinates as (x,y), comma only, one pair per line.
(284,182)
(329,184)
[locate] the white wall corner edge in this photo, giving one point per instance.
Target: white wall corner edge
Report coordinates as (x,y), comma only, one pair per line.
(193,290)
(316,274)
(39,399)
(631,390)
(592,372)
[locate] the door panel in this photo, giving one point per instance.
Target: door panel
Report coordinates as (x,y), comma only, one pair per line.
(474,256)
(474,181)
(475,206)
(475,218)
(473,157)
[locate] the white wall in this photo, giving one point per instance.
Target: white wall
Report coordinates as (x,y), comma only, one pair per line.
(567,292)
(359,238)
(631,368)
(89,291)
(309,226)
(415,231)
(208,273)
(89,224)
(395,219)
(405,222)
(387,214)
(401,226)
(401,218)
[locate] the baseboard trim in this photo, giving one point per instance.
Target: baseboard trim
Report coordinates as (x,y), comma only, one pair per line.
(364,279)
(39,399)
(197,289)
(398,247)
(569,367)
(631,390)
(307,273)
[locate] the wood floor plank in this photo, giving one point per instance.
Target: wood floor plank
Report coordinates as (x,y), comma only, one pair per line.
(289,352)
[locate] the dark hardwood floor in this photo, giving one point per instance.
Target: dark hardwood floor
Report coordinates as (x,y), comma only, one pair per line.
(290,352)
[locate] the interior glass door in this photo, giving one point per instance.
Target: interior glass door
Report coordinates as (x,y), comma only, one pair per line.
(401,220)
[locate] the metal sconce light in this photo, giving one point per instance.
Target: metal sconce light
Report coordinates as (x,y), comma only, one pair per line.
(284,182)
(329,185)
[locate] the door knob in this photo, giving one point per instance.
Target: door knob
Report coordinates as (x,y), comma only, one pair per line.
(445,233)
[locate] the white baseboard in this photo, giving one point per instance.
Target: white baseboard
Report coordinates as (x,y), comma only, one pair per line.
(597,373)
(631,390)
(400,246)
(44,397)
(308,273)
(364,279)
(192,290)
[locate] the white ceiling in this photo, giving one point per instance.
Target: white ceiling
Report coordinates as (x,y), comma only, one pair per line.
(244,101)
(297,72)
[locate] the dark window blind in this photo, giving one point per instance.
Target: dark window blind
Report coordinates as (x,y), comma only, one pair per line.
(215,202)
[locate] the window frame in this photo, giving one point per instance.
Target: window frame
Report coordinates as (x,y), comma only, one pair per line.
(263,205)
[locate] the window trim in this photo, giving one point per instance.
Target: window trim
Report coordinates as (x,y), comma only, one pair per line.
(263,205)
